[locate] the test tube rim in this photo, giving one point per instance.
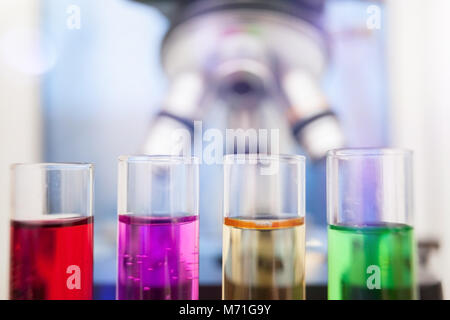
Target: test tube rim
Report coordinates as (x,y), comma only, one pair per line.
(55,165)
(172,159)
(232,158)
(344,153)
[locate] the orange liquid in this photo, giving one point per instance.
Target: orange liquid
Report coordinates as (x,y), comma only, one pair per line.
(263,224)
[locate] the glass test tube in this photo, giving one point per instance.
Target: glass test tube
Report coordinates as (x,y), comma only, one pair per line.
(158,228)
(371,247)
(51,231)
(263,230)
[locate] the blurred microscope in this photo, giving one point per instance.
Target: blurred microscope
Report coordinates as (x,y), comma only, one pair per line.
(247,55)
(247,64)
(243,64)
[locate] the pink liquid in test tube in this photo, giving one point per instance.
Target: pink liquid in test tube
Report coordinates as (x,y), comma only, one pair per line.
(158,228)
(158,258)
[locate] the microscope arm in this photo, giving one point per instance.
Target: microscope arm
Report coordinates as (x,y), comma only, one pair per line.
(314,125)
(172,128)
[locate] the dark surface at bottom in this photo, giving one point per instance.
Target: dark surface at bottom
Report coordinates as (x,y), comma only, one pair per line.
(432,291)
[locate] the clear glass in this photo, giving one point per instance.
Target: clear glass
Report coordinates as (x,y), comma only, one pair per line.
(263,229)
(158,228)
(51,231)
(371,247)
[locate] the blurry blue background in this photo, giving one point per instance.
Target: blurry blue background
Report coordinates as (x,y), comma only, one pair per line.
(100,96)
(107,83)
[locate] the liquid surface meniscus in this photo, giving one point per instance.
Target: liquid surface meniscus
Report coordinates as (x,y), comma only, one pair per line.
(158,258)
(371,262)
(263,259)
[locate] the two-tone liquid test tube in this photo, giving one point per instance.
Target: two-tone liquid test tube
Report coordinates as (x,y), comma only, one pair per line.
(263,227)
(371,247)
(158,228)
(51,231)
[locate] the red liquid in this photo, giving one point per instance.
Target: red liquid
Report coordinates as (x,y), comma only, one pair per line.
(52,259)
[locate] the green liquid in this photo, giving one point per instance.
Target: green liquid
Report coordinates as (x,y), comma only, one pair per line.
(371,262)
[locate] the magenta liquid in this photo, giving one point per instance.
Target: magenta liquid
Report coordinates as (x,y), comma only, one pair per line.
(158,258)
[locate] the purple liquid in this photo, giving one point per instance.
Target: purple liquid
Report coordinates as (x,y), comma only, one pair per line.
(158,258)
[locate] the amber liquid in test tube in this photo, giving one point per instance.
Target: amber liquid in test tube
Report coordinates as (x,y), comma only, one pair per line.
(263,228)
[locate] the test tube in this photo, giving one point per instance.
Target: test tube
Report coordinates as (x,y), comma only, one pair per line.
(371,247)
(158,228)
(51,231)
(263,227)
